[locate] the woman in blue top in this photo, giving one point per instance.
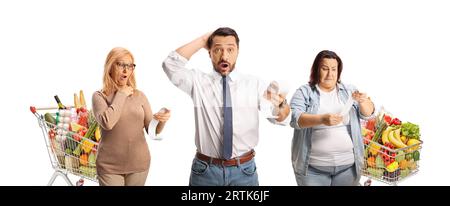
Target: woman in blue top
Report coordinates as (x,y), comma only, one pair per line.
(327,147)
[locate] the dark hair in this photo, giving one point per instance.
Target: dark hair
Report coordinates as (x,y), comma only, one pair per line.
(223,31)
(314,77)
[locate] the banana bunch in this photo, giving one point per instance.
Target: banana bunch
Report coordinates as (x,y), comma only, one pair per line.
(385,134)
(393,136)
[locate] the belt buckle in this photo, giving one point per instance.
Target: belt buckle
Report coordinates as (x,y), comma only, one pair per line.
(230,162)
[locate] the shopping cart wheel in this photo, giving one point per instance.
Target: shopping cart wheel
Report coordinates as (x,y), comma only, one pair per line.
(80,182)
(368,182)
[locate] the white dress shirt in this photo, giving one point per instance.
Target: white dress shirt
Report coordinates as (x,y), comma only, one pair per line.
(205,90)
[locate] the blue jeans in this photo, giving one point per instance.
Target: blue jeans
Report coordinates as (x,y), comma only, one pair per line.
(208,174)
(329,176)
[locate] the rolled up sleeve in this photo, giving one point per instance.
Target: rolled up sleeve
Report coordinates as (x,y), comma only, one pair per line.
(175,68)
(298,107)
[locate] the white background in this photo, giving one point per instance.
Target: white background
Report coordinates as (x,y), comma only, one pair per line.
(396,51)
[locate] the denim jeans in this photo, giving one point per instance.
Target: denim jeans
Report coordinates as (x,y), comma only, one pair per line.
(329,176)
(208,174)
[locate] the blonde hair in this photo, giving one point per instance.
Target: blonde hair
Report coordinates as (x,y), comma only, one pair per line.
(109,85)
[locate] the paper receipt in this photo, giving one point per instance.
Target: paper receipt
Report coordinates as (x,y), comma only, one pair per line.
(152,130)
(347,106)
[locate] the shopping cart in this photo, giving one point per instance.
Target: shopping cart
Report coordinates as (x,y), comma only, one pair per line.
(388,165)
(69,151)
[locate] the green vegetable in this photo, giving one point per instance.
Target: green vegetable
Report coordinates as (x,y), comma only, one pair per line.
(88,171)
(375,172)
(91,131)
(91,159)
(379,162)
(77,150)
(409,156)
(404,173)
(381,126)
(400,156)
(91,117)
(416,155)
(70,144)
(51,121)
(411,130)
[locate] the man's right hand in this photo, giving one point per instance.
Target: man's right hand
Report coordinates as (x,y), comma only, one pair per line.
(127,90)
(331,119)
(205,38)
(192,47)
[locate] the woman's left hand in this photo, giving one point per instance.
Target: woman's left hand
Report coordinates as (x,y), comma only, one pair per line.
(162,116)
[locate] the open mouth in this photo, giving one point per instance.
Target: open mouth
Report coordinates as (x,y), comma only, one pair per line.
(123,77)
(224,65)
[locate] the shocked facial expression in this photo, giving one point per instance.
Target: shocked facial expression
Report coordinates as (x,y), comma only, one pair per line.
(123,69)
(223,53)
(328,73)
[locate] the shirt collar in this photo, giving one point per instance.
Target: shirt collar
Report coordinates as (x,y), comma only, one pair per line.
(339,86)
(234,76)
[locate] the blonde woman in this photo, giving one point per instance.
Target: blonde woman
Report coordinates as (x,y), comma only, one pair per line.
(122,112)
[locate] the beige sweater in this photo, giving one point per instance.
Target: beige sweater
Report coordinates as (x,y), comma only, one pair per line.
(123,148)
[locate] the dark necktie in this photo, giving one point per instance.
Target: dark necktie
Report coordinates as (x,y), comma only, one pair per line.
(227,120)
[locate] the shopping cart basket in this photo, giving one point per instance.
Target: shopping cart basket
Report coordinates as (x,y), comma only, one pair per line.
(389,165)
(69,151)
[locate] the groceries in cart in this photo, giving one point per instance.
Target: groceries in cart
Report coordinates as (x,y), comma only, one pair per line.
(391,148)
(74,136)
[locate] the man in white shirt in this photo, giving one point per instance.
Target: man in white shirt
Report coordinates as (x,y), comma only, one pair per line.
(226,105)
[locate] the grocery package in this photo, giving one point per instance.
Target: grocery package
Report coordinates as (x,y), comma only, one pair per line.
(391,148)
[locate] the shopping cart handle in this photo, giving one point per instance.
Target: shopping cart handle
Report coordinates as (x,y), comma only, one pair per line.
(33,109)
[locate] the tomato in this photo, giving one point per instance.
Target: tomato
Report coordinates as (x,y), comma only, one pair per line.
(76,137)
(384,155)
(387,119)
(389,145)
(370,125)
(83,119)
(84,131)
(396,121)
(51,135)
